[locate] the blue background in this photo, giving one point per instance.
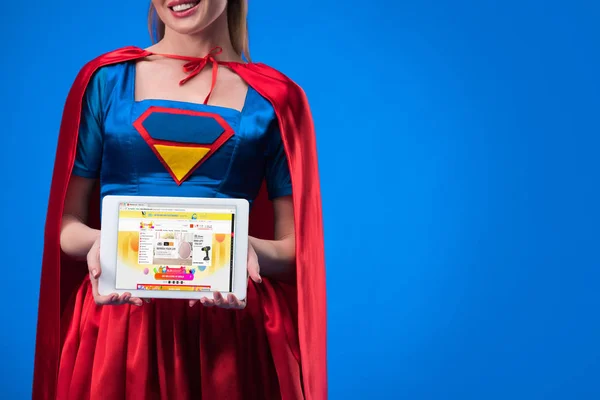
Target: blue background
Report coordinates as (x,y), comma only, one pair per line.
(471,127)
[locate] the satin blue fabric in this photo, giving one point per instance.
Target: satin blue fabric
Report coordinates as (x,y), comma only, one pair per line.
(110,148)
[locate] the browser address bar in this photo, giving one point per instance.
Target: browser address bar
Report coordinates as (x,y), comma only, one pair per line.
(187,210)
(160,209)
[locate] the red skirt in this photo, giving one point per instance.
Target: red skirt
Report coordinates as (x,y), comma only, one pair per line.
(169,350)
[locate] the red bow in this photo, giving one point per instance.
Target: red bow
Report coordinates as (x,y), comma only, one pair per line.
(195,65)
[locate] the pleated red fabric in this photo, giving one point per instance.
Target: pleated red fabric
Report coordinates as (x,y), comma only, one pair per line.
(167,350)
(275,348)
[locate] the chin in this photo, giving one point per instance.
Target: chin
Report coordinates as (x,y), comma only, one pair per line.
(186,29)
(189,16)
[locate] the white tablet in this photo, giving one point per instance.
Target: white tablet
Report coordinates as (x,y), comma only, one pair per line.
(173,247)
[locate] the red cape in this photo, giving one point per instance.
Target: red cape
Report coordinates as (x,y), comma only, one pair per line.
(61,276)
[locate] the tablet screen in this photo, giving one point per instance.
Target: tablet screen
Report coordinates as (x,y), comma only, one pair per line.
(182,248)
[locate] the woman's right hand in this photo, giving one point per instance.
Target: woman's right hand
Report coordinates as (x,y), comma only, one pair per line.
(93,261)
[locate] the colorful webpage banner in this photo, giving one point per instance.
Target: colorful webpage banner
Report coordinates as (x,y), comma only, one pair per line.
(165,250)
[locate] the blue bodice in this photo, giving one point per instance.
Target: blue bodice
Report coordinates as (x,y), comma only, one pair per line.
(145,147)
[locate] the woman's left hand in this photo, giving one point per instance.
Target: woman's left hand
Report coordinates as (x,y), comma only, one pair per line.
(231,301)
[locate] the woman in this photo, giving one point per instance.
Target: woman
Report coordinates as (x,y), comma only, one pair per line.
(119,347)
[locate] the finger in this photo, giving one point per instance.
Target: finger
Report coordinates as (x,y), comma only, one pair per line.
(110,299)
(95,271)
(93,261)
(124,298)
(99,299)
(253,270)
(219,300)
(254,275)
(207,302)
(235,302)
(193,303)
(253,266)
(136,301)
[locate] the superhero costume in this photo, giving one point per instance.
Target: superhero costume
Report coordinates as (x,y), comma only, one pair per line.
(276,347)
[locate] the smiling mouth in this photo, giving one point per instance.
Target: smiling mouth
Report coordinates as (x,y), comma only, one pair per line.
(184,6)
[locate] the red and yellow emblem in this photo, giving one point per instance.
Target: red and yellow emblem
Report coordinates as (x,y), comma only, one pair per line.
(182,139)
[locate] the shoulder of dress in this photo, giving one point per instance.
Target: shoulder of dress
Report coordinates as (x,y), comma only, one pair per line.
(275,75)
(113,60)
(278,87)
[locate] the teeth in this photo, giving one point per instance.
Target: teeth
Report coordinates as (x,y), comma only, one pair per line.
(183,7)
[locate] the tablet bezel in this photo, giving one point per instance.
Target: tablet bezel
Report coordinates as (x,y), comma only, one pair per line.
(109,241)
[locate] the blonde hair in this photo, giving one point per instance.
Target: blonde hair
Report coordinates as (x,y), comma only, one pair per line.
(237,13)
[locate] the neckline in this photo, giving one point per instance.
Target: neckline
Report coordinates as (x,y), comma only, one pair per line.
(183,58)
(210,56)
(139,52)
(223,109)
